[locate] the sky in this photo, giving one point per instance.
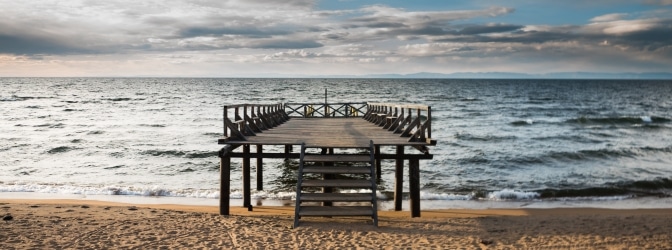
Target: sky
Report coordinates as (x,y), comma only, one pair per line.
(267,38)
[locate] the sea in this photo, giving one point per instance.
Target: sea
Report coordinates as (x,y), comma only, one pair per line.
(501,142)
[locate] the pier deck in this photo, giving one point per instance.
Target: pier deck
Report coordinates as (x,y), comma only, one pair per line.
(327,126)
(329,133)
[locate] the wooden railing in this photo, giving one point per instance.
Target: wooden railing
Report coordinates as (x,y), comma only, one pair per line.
(248,119)
(409,120)
(328,110)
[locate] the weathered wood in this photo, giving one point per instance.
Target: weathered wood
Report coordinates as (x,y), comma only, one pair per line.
(337,158)
(335,170)
(296,156)
(345,197)
(260,169)
(399,179)
(224,180)
(336,211)
(405,106)
(322,110)
(414,186)
(379,168)
(247,201)
(271,125)
(338,183)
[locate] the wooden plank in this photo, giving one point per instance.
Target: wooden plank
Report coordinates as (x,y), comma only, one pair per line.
(296,156)
(337,158)
(336,211)
(351,197)
(345,132)
(336,170)
(337,183)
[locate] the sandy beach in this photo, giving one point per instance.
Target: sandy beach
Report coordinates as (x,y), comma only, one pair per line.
(76,224)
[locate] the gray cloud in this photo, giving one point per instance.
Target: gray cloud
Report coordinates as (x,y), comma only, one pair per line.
(489,28)
(396,22)
(258,30)
(33,45)
(251,32)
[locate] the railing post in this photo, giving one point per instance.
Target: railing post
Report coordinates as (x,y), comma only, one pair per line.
(429,122)
(226,118)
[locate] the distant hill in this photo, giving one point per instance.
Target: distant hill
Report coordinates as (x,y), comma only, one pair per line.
(505,75)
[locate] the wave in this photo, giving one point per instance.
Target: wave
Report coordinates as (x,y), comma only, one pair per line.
(614,191)
(620,120)
(592,154)
(109,190)
(123,99)
(50,125)
(470,99)
(177,153)
(153,125)
(522,122)
(61,149)
(484,138)
(15,98)
(607,153)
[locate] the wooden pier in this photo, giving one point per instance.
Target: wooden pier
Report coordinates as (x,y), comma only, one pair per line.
(327,127)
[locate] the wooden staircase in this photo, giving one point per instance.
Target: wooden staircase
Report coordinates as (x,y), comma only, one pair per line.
(331,166)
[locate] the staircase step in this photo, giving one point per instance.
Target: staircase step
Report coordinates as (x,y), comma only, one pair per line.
(338,183)
(337,158)
(336,170)
(336,211)
(337,197)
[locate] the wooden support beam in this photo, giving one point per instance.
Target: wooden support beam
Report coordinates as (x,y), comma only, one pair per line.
(379,169)
(234,130)
(224,180)
(327,190)
(260,169)
(247,201)
(410,127)
(251,124)
(414,186)
(399,179)
(296,156)
(288,149)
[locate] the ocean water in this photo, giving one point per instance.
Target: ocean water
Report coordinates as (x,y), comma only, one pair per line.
(498,140)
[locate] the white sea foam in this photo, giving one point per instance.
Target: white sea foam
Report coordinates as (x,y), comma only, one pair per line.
(646,119)
(445,196)
(510,194)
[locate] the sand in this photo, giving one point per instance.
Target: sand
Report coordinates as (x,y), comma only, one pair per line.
(76,224)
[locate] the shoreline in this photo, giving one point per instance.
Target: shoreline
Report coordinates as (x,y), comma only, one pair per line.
(647,202)
(76,223)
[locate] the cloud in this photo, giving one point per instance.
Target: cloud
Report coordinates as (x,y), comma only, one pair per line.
(393,22)
(95,27)
(609,17)
(659,2)
(260,32)
(487,28)
(27,44)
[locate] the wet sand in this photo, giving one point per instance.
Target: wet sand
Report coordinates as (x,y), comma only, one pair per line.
(77,224)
